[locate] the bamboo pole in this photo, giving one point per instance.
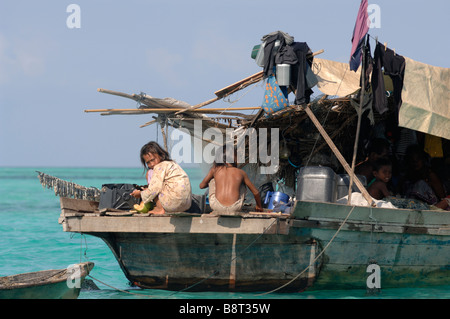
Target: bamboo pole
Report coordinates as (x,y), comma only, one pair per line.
(358,126)
(243,85)
(339,156)
(239,85)
(228,113)
(168,110)
(163,124)
(148,123)
(335,133)
(129,96)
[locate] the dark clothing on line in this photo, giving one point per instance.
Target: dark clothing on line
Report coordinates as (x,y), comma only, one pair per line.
(394,66)
(379,95)
(293,54)
(269,59)
(298,72)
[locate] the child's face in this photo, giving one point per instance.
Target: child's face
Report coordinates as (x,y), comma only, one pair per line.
(384,174)
(416,162)
(151,159)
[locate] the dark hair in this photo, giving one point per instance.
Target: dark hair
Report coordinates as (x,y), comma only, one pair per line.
(378,145)
(222,154)
(154,148)
(382,161)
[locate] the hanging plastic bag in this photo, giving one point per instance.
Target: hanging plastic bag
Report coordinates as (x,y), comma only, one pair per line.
(274,98)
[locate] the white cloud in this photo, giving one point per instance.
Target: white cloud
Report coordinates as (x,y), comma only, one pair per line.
(21,57)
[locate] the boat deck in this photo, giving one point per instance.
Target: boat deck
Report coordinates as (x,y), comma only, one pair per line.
(84,216)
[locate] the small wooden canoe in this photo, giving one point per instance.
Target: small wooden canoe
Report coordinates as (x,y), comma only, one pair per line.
(46,284)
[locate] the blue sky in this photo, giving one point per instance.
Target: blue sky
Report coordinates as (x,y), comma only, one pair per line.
(49,73)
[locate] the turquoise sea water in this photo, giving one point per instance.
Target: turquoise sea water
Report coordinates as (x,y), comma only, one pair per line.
(32,240)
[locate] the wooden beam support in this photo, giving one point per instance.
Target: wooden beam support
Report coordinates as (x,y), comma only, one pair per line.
(339,156)
(169,110)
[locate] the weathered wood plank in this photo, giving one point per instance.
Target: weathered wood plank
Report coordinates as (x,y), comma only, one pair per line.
(78,204)
(313,210)
(176,224)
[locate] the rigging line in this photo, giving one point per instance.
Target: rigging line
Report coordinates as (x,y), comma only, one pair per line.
(85,255)
(237,100)
(233,259)
(374,227)
(315,259)
(121,290)
(81,247)
(157,132)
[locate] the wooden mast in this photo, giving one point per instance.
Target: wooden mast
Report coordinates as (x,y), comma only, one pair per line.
(358,126)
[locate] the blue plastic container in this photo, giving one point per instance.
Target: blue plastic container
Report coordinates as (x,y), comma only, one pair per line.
(277,197)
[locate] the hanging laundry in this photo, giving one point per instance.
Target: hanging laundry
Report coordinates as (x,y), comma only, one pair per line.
(359,32)
(368,66)
(378,88)
(394,66)
(298,72)
(292,53)
(271,48)
(287,38)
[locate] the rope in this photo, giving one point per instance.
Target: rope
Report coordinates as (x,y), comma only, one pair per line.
(228,100)
(121,290)
(85,256)
(325,248)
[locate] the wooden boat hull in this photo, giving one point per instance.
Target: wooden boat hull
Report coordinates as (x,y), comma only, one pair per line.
(47,284)
(218,262)
(411,247)
(255,252)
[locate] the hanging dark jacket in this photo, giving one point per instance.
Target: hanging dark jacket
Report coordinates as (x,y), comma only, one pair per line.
(379,95)
(394,66)
(269,56)
(298,72)
(293,54)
